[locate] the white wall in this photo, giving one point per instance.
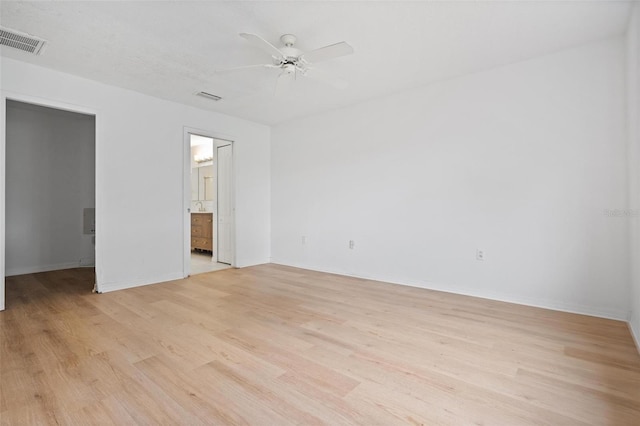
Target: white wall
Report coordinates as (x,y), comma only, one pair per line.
(633,78)
(519,161)
(139,173)
(50,179)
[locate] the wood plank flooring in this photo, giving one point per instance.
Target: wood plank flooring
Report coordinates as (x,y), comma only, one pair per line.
(273,345)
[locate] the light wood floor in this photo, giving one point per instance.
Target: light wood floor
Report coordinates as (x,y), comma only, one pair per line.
(272,345)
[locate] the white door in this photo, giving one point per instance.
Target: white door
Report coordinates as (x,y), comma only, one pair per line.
(225,205)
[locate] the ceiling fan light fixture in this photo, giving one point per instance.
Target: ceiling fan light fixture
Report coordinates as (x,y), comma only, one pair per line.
(288,69)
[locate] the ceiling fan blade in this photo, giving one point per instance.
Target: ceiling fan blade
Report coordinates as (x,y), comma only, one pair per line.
(316,74)
(263,44)
(328,52)
(244,67)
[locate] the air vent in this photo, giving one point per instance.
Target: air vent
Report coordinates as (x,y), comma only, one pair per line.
(21,41)
(209,96)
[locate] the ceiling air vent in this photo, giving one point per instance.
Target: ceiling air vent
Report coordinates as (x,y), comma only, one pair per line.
(21,41)
(209,96)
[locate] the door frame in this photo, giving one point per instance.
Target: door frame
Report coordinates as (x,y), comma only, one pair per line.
(186,192)
(81,109)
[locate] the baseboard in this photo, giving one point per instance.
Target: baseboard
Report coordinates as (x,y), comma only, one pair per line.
(122,285)
(619,315)
(634,333)
(245,264)
(42,268)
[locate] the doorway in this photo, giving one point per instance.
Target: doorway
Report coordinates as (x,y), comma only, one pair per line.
(50,189)
(210,206)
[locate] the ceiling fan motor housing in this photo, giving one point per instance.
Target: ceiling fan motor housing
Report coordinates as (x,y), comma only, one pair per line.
(291,54)
(288,39)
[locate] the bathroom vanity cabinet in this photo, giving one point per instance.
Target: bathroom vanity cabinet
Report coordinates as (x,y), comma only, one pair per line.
(202,231)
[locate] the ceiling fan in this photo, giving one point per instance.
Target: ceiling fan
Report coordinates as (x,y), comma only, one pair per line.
(292,62)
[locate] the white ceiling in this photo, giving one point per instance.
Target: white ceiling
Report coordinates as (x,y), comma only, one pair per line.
(171,49)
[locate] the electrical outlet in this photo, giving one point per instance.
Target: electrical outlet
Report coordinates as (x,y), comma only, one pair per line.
(304,240)
(352,244)
(479,254)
